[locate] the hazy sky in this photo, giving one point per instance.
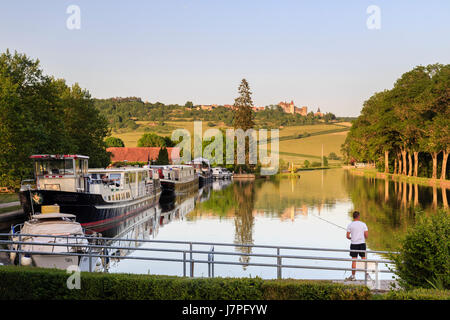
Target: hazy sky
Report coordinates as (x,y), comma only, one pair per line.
(317,53)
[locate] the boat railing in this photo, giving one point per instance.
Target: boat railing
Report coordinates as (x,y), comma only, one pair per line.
(192,253)
(27,184)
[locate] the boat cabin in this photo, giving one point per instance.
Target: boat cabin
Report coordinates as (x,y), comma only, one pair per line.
(125,183)
(61,172)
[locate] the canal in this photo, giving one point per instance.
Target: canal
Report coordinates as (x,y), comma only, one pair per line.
(311,211)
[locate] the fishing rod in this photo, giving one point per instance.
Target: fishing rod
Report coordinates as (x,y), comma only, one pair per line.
(334,224)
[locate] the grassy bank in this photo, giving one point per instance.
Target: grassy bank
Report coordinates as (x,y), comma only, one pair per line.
(373,173)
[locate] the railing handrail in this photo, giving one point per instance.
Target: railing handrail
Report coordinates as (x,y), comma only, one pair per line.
(102,245)
(98,255)
(97,246)
(197,243)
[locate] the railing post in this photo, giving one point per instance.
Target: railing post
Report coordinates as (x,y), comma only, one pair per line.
(212,266)
(192,261)
(211,262)
(365,269)
(90,259)
(377,281)
(279,275)
(19,247)
(184,263)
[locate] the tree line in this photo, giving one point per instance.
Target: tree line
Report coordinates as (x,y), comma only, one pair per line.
(122,113)
(43,115)
(405,130)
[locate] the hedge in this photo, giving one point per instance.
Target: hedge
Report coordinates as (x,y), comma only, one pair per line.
(417,294)
(35,283)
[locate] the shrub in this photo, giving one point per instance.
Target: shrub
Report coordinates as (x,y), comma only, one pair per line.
(312,290)
(36,283)
(306,164)
(417,294)
(424,259)
(114,142)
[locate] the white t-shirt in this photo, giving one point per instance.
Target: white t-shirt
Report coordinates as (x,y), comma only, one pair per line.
(356,229)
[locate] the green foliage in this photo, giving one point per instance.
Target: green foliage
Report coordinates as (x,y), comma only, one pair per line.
(411,117)
(163,157)
(333,156)
(243,117)
(39,114)
(312,290)
(306,164)
(153,140)
(315,164)
(325,161)
(114,142)
(424,259)
(416,294)
(29,283)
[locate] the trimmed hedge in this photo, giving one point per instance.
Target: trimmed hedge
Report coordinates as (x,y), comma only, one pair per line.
(35,283)
(290,289)
(417,294)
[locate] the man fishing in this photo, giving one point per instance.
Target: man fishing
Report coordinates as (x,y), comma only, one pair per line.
(357,233)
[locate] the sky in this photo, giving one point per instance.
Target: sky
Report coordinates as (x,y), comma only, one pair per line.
(318,53)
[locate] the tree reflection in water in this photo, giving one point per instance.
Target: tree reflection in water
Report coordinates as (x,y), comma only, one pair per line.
(244,197)
(390,207)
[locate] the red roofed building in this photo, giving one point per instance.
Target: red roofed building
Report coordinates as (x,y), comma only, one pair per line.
(141,154)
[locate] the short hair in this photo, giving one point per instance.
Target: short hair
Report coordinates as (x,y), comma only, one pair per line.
(355,214)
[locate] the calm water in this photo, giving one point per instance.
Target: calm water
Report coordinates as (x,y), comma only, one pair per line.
(312,211)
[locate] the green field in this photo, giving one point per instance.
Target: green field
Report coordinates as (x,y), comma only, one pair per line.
(292,148)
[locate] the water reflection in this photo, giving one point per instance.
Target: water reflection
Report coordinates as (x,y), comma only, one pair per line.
(146,225)
(312,211)
(389,207)
(244,199)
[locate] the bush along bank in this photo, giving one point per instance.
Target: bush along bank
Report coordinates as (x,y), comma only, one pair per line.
(30,283)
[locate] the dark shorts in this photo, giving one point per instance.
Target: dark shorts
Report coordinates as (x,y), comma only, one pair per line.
(359,246)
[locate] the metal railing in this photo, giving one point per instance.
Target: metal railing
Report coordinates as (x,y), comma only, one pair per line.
(100,247)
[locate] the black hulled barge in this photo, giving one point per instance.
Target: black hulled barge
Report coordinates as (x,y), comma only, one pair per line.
(96,197)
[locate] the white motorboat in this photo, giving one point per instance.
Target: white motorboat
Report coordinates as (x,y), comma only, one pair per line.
(38,229)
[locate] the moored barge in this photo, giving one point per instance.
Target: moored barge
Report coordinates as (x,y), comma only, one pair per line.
(95,196)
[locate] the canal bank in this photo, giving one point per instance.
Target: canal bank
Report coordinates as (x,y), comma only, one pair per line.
(373,173)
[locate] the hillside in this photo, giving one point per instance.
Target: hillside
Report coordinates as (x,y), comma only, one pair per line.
(297,143)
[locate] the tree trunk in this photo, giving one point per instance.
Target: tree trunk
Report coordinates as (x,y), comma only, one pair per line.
(416,195)
(444,198)
(434,156)
(410,164)
(404,161)
(386,189)
(444,164)
(386,161)
(435,202)
(416,163)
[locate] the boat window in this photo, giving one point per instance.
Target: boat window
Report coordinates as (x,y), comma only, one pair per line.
(68,166)
(115,178)
(54,167)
